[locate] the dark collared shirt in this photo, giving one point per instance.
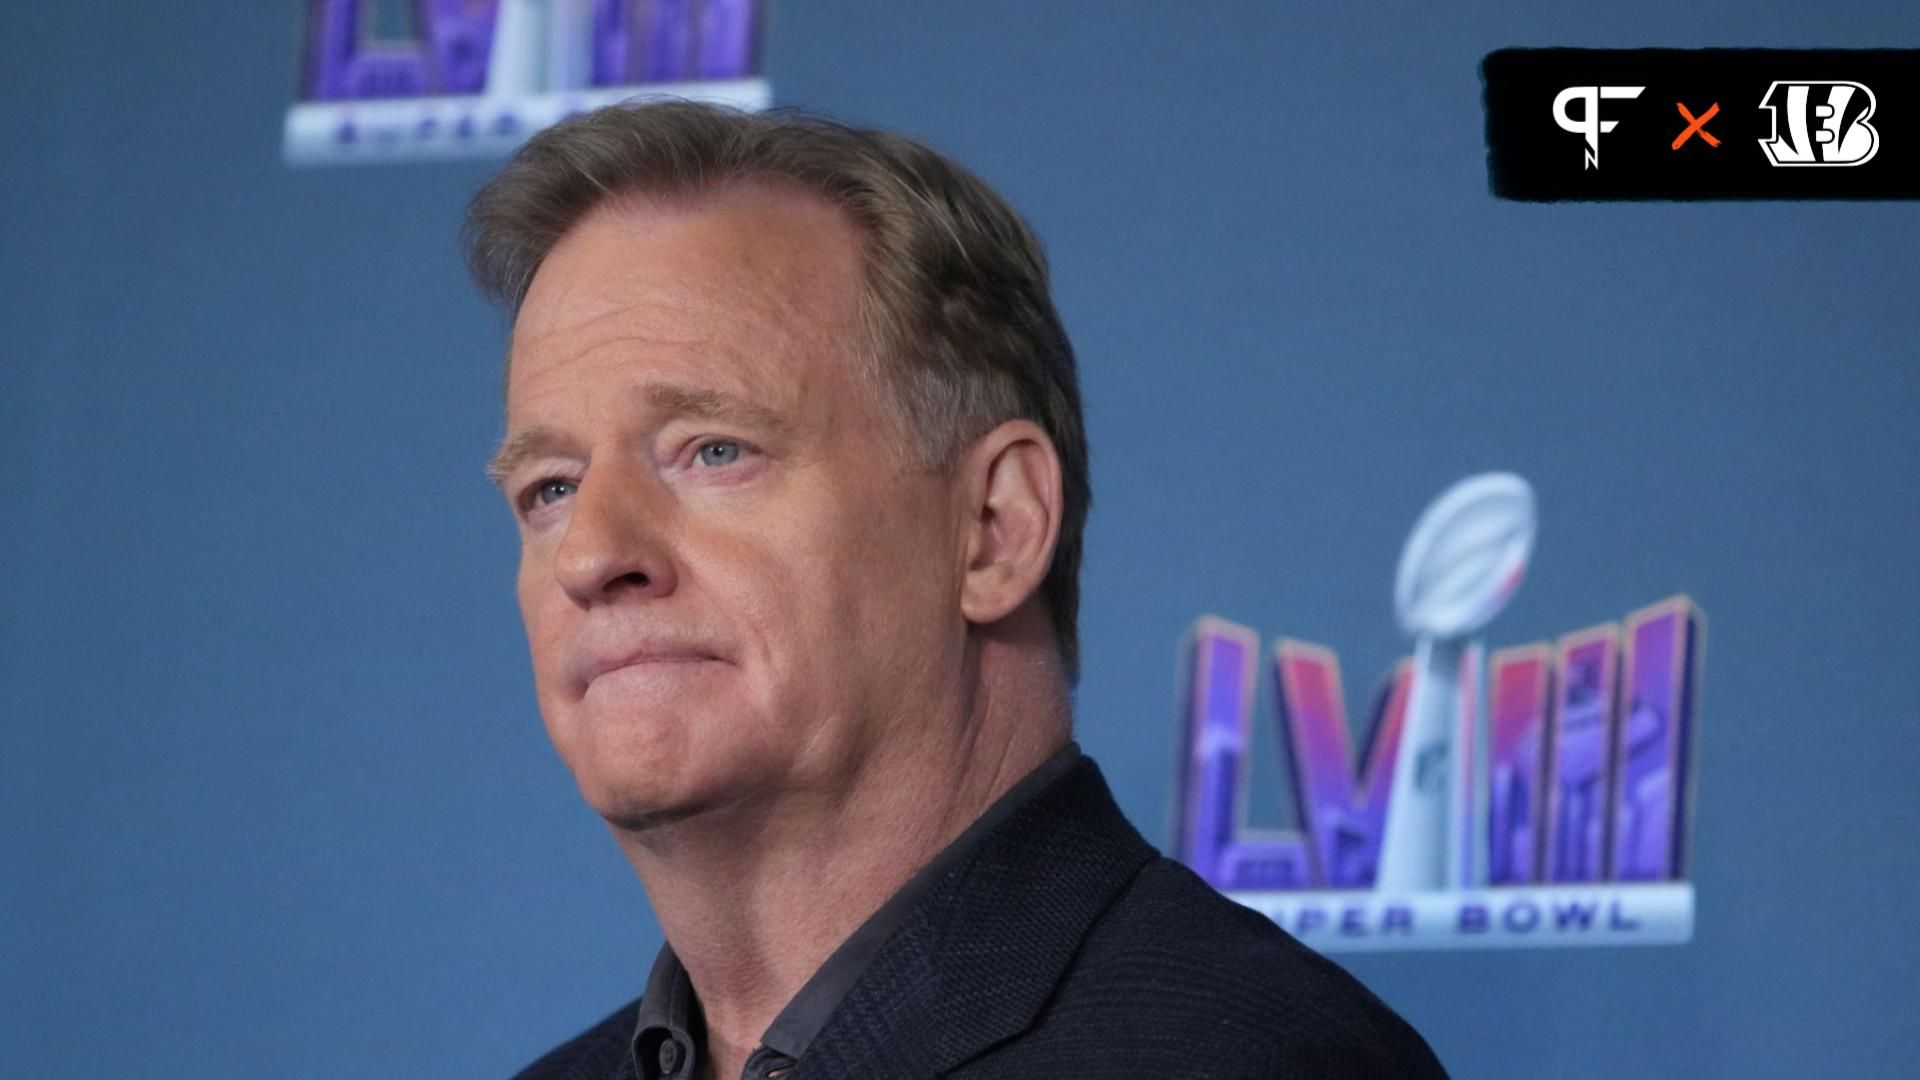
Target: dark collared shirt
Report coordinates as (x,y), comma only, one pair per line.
(671,1033)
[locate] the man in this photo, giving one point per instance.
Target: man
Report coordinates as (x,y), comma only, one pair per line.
(795,451)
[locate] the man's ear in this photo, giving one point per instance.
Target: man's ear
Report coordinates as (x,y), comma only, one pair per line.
(1010,479)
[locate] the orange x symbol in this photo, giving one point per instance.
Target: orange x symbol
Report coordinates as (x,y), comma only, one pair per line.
(1699,125)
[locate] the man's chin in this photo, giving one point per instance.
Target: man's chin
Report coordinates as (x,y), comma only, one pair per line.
(639,820)
(634,811)
(630,810)
(639,808)
(640,769)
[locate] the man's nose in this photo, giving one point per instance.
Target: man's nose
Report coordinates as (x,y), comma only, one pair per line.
(615,542)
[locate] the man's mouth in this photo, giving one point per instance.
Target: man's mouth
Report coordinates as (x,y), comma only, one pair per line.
(647,656)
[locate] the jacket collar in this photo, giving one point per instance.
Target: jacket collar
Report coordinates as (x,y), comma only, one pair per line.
(974,961)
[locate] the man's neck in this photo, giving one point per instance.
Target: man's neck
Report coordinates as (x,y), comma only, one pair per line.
(754,899)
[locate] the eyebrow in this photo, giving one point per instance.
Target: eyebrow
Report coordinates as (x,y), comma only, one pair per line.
(671,400)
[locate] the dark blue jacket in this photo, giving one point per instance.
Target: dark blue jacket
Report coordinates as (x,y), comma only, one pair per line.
(1065,946)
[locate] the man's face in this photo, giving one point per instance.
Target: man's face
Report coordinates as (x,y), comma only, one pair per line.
(732,589)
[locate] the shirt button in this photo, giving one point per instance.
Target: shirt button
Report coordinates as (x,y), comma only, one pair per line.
(670,1056)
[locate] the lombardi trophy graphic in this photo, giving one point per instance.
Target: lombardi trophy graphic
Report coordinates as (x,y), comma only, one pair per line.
(1461,565)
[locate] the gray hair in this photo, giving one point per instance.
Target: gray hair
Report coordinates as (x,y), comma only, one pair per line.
(960,328)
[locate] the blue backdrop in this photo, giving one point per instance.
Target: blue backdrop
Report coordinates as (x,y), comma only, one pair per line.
(274,795)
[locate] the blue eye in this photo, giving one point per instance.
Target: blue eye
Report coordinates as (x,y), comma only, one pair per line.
(719,452)
(556,488)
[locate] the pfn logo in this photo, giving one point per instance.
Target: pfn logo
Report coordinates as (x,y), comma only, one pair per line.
(1589,125)
(1826,124)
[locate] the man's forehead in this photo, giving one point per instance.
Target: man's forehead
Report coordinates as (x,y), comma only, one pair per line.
(747,251)
(753,290)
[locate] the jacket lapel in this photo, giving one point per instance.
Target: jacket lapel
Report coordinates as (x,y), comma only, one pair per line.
(974,962)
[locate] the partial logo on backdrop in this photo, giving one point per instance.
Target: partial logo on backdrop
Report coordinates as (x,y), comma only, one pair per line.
(1538,795)
(1703,123)
(475,78)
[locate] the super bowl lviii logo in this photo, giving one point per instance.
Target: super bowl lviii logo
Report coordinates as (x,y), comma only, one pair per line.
(1538,795)
(384,80)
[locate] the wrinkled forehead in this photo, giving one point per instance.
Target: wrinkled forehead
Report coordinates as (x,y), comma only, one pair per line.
(756,274)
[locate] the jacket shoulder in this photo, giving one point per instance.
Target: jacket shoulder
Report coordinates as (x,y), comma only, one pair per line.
(1174,968)
(599,1053)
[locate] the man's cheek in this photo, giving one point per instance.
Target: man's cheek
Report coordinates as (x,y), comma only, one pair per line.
(527,591)
(546,626)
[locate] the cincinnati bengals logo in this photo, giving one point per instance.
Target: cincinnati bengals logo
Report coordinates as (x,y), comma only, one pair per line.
(1825,124)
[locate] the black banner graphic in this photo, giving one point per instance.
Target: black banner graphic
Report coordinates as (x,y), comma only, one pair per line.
(1603,124)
